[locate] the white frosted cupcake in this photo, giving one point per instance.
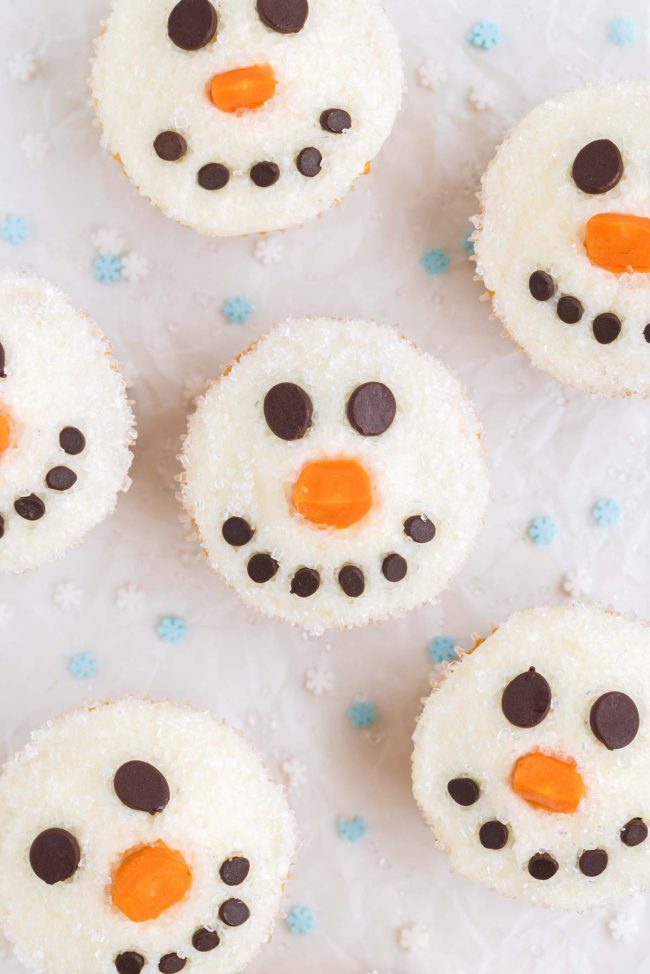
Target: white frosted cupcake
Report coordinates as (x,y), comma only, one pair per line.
(334,474)
(139,836)
(66,426)
(243,117)
(564,239)
(532,758)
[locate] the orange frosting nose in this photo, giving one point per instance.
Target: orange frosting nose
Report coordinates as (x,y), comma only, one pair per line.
(233,91)
(5,430)
(333,493)
(149,881)
(548,782)
(619,242)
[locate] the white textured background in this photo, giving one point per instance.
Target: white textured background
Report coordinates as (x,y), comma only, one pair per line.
(551,451)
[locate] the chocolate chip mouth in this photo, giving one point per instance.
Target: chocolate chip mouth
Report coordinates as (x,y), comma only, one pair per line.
(58,478)
(232,913)
(262,567)
(606,327)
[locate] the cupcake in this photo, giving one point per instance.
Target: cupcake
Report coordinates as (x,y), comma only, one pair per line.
(66,426)
(532,758)
(243,117)
(564,239)
(334,474)
(140,836)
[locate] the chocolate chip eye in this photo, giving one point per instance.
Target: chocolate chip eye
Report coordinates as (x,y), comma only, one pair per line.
(142,787)
(54,856)
(283,16)
(192,24)
(288,411)
(235,870)
(527,699)
(3,374)
(598,167)
(371,409)
(614,720)
(72,441)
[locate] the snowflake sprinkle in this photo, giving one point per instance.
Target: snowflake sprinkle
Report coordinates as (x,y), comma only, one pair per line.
(484,34)
(442,649)
(542,530)
(67,596)
(431,74)
(35,146)
(107,241)
(435,261)
(301,920)
(622,31)
(14,229)
(481,99)
(468,243)
(22,66)
(606,511)
(319,680)
(269,250)
(6,615)
(296,773)
(362,714)
(83,666)
(108,269)
(135,267)
(413,937)
(171,629)
(577,583)
(352,829)
(237,310)
(129,597)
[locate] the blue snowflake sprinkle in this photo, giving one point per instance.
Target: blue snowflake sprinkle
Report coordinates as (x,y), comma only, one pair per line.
(468,243)
(238,310)
(606,511)
(622,31)
(108,268)
(362,714)
(14,229)
(83,666)
(435,261)
(484,34)
(301,920)
(352,829)
(543,530)
(442,649)
(171,629)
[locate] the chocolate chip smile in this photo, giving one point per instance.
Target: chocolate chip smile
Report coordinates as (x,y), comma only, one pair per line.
(606,327)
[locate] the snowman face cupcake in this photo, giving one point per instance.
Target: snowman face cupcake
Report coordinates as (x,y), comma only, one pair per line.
(140,836)
(240,116)
(564,244)
(65,424)
(334,474)
(532,759)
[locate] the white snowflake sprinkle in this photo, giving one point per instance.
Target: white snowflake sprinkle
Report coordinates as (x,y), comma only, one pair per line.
(624,926)
(295,773)
(269,250)
(482,99)
(319,680)
(67,596)
(413,937)
(577,583)
(130,597)
(35,146)
(6,615)
(22,66)
(135,267)
(107,240)
(431,74)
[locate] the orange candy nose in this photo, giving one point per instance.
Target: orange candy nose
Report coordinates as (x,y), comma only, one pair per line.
(548,782)
(5,430)
(233,91)
(149,881)
(619,242)
(333,493)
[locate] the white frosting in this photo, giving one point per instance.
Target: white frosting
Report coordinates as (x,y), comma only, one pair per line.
(534,217)
(59,373)
(428,462)
(582,652)
(346,56)
(222,803)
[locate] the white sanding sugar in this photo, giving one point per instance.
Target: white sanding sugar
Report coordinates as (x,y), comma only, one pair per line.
(222,804)
(428,462)
(59,375)
(345,57)
(534,217)
(583,652)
